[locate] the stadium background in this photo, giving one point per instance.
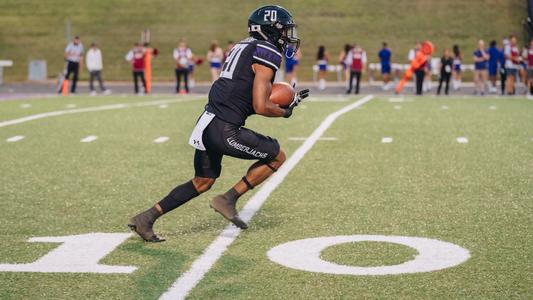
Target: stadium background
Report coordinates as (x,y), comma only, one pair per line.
(34,29)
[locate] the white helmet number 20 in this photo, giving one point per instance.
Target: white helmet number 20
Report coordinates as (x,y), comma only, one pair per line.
(271,15)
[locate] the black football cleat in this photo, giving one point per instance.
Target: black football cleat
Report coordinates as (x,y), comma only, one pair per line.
(226,207)
(142,225)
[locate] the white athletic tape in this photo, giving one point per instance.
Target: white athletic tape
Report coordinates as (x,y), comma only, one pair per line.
(186,282)
(15,138)
(91,109)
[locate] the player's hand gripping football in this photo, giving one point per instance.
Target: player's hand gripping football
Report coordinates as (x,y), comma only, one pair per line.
(298,97)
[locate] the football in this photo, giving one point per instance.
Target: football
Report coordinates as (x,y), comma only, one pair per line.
(282,94)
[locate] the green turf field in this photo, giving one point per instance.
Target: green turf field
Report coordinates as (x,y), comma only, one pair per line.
(477,195)
(34,29)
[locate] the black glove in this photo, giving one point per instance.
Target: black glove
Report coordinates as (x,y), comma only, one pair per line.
(298,97)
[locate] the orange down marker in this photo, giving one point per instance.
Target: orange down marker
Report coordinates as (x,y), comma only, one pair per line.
(420,59)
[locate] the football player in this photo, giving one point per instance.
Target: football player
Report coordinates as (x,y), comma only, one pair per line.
(243,89)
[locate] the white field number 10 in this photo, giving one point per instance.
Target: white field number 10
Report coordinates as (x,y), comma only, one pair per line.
(76,254)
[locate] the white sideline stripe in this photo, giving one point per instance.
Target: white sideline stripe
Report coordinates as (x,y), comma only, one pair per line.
(492,107)
(397,107)
(186,282)
(89,139)
(301,138)
(161,139)
(386,140)
(90,109)
(70,105)
(25,105)
(15,138)
(462,140)
(444,107)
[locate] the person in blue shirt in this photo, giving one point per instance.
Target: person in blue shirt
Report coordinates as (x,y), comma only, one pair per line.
(481,58)
(291,64)
(385,60)
(494,57)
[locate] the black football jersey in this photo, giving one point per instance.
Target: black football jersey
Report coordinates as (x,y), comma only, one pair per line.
(230,97)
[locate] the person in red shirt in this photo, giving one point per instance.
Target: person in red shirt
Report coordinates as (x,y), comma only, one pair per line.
(528,56)
(357,59)
(136,57)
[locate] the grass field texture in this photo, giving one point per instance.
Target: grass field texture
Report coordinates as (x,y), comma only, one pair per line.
(33,29)
(478,195)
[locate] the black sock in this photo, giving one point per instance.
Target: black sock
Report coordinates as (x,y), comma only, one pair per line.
(178,196)
(232,194)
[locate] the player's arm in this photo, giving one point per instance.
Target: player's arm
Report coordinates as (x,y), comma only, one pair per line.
(261,93)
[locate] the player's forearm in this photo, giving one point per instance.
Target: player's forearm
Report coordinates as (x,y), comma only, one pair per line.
(272,110)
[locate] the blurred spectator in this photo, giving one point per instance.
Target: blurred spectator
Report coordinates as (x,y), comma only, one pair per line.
(322,58)
(411,56)
(426,87)
(228,49)
(385,59)
(215,55)
(74,57)
(136,57)
(529,59)
(93,61)
(357,57)
(446,65)
(481,58)
(420,74)
(343,61)
(292,60)
(503,70)
(512,62)
(412,53)
(522,69)
(192,63)
(457,61)
(183,57)
(494,57)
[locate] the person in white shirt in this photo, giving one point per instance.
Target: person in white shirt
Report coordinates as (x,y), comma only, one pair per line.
(74,56)
(183,57)
(93,61)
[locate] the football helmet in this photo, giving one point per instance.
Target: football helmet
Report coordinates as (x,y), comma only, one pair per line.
(274,23)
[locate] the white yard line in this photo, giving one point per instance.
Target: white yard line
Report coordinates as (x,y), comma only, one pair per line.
(15,138)
(188,280)
(386,140)
(91,109)
(161,139)
(88,139)
(301,138)
(462,140)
